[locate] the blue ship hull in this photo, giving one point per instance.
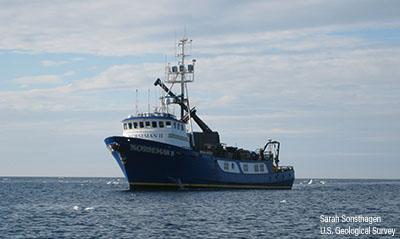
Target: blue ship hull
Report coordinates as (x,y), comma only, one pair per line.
(153,165)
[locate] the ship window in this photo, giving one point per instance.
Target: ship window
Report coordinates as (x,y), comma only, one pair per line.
(154,124)
(255,167)
(233,165)
(174,125)
(161,124)
(125,126)
(245,168)
(226,166)
(262,167)
(182,127)
(130,125)
(147,124)
(168,124)
(135,125)
(141,124)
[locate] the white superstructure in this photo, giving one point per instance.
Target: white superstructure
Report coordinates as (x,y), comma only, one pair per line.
(160,127)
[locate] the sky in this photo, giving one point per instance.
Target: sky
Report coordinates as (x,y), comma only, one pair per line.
(321,77)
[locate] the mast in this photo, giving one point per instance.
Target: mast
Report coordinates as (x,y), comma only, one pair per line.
(182,73)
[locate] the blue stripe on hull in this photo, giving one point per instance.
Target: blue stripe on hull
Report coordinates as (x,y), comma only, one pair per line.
(149,164)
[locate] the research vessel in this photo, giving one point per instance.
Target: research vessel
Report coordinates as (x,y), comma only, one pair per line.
(159,150)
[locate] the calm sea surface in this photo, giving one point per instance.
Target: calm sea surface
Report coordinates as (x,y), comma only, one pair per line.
(103,208)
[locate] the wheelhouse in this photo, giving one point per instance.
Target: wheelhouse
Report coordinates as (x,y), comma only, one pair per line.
(159,127)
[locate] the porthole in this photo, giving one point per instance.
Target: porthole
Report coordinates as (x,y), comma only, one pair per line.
(245,168)
(226,166)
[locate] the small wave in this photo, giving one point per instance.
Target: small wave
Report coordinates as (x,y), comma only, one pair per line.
(322,182)
(113,182)
(283,201)
(77,208)
(310,182)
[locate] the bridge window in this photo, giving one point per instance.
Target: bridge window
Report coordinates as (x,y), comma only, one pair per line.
(135,125)
(233,166)
(154,124)
(168,124)
(141,124)
(147,124)
(130,125)
(174,125)
(125,126)
(261,167)
(161,124)
(255,167)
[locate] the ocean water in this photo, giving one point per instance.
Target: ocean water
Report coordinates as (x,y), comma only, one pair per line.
(103,208)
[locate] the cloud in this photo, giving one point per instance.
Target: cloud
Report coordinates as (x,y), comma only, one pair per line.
(109,27)
(69,73)
(33,80)
(339,79)
(42,80)
(80,95)
(78,59)
(53,63)
(124,77)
